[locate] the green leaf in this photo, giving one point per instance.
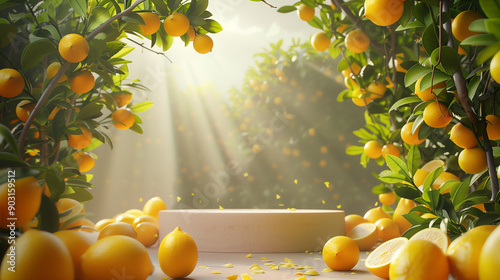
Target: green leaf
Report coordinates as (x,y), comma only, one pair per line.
(316,23)
(80,7)
(54,182)
(397,165)
(98,16)
(413,159)
(480,40)
(163,9)
(478,26)
(141,107)
(410,25)
(9,138)
(363,134)
(354,150)
(379,189)
(392,178)
(493,27)
(437,78)
(36,51)
(136,128)
(408,192)
(416,72)
(287,9)
(91,111)
(7,34)
(414,218)
(79,194)
(212,26)
(405,101)
(432,177)
(8,160)
(448,59)
(491,8)
(197,7)
(48,216)
(407,12)
(430,39)
(487,53)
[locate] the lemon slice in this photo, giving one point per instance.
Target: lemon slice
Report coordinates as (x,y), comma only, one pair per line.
(434,235)
(379,260)
(433,164)
(365,235)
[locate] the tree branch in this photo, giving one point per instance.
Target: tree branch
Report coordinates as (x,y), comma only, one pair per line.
(458,77)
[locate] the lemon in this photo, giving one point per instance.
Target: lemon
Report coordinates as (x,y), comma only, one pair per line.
(353,220)
(464,252)
(117,228)
(417,260)
(434,235)
(153,206)
(177,254)
(374,214)
(38,255)
(340,253)
(77,242)
(489,259)
(379,260)
(365,235)
(115,256)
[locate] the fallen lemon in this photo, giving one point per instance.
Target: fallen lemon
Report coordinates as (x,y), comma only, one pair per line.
(378,262)
(177,254)
(464,252)
(340,253)
(116,256)
(365,235)
(489,259)
(434,235)
(419,259)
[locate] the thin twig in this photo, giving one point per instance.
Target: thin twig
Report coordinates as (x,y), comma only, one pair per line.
(148,49)
(268,4)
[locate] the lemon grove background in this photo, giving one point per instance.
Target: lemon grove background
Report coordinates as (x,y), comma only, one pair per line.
(222,134)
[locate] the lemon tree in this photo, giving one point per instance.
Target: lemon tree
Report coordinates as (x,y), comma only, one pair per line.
(438,74)
(65,86)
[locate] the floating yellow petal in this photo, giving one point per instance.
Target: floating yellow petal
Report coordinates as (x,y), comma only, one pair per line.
(140,199)
(245,174)
(228,265)
(295,181)
(301,278)
(216,272)
(232,277)
(274,267)
(339,206)
(249,255)
(245,276)
(327,270)
(220,207)
(178,198)
(311,272)
(288,260)
(308,267)
(376,203)
(323,201)
(327,184)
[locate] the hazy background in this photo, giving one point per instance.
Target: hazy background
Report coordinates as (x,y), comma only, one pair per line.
(142,166)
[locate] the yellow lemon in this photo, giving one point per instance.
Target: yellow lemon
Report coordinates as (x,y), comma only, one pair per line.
(177,254)
(116,256)
(340,253)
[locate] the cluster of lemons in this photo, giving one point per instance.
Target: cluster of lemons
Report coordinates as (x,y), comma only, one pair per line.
(77,252)
(428,254)
(176,25)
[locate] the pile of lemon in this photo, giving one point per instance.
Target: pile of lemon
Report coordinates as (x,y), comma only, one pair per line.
(428,254)
(117,251)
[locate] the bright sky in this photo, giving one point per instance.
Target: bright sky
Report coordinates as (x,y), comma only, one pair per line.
(248,28)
